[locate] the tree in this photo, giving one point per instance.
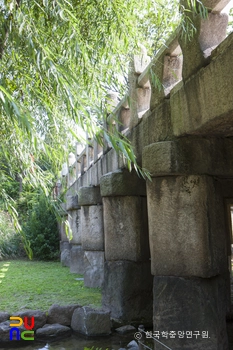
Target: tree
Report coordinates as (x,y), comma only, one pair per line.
(58,58)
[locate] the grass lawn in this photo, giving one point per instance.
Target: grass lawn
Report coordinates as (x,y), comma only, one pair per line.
(38,285)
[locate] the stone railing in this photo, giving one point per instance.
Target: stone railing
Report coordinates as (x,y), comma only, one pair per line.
(152,81)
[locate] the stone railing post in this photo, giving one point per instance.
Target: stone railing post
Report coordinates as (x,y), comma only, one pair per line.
(139,97)
(209,33)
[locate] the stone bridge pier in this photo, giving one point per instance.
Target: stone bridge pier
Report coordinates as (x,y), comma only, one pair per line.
(127,289)
(188,239)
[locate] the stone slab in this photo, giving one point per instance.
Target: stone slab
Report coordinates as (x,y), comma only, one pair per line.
(77,259)
(122,183)
(72,202)
(190,155)
(74,220)
(89,195)
(191,304)
(92,229)
(91,322)
(93,269)
(126,228)
(187,238)
(127,291)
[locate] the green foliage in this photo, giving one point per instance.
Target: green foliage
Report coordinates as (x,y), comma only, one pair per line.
(10,242)
(40,230)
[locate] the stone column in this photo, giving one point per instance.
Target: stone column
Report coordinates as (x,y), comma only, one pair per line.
(127,289)
(76,253)
(65,245)
(188,240)
(92,235)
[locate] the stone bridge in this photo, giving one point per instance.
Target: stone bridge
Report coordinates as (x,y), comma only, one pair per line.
(161,249)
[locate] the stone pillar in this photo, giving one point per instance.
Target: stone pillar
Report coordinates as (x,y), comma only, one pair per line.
(65,246)
(92,235)
(76,253)
(127,289)
(188,241)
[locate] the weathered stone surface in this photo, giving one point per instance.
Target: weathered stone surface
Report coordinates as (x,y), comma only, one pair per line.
(187,238)
(61,314)
(65,245)
(157,125)
(72,202)
(93,268)
(91,322)
(126,231)
(92,227)
(127,291)
(4,316)
(56,330)
(75,225)
(210,84)
(89,195)
(77,259)
(5,331)
(186,304)
(125,329)
(209,33)
(39,317)
(65,257)
(122,183)
(190,155)
(62,230)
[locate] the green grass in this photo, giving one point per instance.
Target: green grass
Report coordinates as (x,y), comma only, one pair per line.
(38,285)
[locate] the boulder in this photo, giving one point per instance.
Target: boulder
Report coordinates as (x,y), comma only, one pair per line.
(91,322)
(61,314)
(53,331)
(39,317)
(5,331)
(4,316)
(125,329)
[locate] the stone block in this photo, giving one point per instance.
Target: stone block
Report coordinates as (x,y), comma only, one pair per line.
(65,245)
(157,125)
(190,155)
(65,257)
(126,228)
(187,238)
(62,230)
(89,195)
(191,304)
(91,322)
(212,83)
(74,219)
(61,314)
(72,202)
(127,291)
(77,259)
(93,269)
(122,183)
(92,227)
